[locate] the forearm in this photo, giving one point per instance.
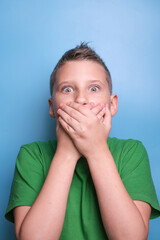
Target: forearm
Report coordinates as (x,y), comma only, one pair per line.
(120,216)
(46,216)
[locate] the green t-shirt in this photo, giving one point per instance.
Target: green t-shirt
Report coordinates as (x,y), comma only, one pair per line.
(82,218)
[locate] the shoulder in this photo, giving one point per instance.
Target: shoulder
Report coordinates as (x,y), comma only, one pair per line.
(118,141)
(40,147)
(127,151)
(125,145)
(37,151)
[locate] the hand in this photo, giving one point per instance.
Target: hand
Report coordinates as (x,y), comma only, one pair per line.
(65,143)
(88,131)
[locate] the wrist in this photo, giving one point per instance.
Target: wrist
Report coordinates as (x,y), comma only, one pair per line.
(98,153)
(66,155)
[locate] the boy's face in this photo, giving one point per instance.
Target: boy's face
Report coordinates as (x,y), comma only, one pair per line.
(83,82)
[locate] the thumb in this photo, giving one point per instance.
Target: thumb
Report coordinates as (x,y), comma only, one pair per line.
(107,117)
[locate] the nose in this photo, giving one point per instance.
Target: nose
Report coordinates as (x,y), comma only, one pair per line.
(81,98)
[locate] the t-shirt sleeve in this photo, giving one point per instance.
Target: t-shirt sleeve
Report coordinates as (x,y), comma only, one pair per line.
(28,178)
(136,175)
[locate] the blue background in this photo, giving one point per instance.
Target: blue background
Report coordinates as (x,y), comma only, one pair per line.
(33,36)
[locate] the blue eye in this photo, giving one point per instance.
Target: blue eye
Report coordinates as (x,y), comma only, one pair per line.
(94,89)
(67,89)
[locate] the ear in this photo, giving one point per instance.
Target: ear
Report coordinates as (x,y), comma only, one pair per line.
(114,104)
(51,110)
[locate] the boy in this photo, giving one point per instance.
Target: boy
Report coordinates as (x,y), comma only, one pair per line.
(86,185)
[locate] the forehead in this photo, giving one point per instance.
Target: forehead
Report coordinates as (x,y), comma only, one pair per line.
(78,70)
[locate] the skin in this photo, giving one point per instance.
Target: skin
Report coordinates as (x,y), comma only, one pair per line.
(81,101)
(86,85)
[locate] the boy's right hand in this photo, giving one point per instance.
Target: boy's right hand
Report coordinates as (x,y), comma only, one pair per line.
(65,144)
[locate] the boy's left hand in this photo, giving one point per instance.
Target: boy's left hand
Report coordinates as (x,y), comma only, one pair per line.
(88,131)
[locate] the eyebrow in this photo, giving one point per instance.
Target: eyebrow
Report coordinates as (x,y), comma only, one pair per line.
(96,81)
(65,82)
(72,82)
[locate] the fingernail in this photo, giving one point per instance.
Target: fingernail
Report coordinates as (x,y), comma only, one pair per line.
(92,104)
(61,105)
(102,105)
(68,103)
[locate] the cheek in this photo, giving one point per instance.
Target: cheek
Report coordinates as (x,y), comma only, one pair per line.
(56,103)
(100,98)
(59,99)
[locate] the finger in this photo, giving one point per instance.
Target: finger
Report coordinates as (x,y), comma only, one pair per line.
(70,121)
(107,117)
(89,105)
(65,126)
(70,111)
(101,114)
(92,105)
(97,109)
(83,109)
